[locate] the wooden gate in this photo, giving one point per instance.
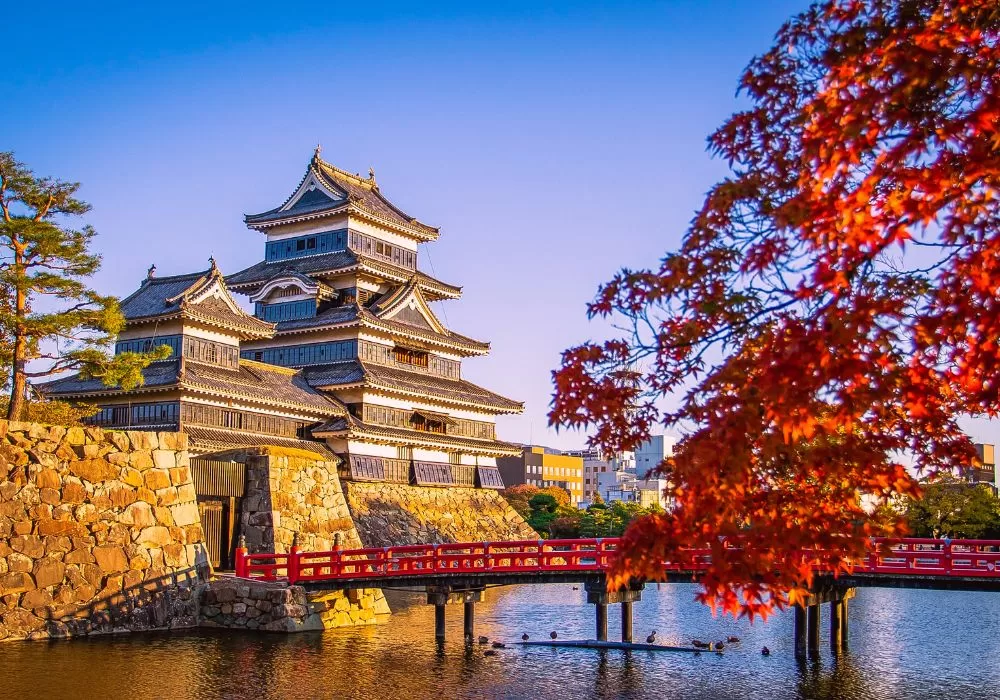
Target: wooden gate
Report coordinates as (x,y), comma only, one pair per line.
(220,487)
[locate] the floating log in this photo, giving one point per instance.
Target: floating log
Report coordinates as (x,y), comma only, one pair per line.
(598,644)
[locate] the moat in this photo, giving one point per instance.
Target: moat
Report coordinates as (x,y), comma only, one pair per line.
(903,644)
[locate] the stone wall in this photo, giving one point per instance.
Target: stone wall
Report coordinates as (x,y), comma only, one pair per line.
(99,532)
(291,493)
(395,514)
(277,607)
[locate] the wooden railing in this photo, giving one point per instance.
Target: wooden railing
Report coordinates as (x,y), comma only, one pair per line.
(910,557)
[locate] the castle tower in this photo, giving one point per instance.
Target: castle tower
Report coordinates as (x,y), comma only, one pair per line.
(341,282)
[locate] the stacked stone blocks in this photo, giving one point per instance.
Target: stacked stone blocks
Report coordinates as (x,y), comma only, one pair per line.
(99,531)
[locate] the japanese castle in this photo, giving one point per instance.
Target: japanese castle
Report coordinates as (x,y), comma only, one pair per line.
(342,355)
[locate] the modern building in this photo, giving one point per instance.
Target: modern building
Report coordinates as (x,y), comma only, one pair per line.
(342,353)
(984,468)
(625,486)
(652,452)
(594,464)
(544,467)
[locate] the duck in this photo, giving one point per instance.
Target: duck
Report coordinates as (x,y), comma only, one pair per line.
(490,652)
(553,635)
(651,639)
(765,652)
(484,640)
(733,639)
(719,646)
(499,645)
(698,644)
(524,637)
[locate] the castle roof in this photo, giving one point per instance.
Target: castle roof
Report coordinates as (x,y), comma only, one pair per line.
(391,380)
(253,381)
(199,296)
(202,439)
(326,190)
(350,427)
(338,262)
(416,336)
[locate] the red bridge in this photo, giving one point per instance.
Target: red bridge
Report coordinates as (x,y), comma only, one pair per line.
(912,562)
(460,572)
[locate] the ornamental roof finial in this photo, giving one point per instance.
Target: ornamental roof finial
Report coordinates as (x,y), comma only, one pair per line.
(151,272)
(319,149)
(211,261)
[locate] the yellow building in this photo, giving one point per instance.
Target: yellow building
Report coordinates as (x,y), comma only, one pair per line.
(542,467)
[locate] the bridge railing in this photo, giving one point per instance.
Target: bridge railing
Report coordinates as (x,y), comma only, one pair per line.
(435,559)
(910,556)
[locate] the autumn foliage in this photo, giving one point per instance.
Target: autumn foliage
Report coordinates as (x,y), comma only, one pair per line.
(833,306)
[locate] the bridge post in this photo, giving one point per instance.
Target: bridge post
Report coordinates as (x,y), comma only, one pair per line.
(813,614)
(469,620)
(836,622)
(602,622)
(439,622)
(800,630)
(627,621)
(843,622)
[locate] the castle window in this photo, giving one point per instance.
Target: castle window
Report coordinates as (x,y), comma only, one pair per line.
(405,356)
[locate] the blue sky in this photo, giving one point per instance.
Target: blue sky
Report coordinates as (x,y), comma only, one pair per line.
(552,142)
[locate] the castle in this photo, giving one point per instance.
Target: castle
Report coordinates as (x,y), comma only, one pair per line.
(343,354)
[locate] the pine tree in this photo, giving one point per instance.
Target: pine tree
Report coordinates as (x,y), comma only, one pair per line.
(50,321)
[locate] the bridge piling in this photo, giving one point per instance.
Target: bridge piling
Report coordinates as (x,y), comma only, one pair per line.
(602,622)
(814,618)
(627,621)
(469,620)
(843,622)
(800,630)
(836,625)
(439,622)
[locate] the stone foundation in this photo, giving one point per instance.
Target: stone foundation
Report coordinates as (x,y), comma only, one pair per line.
(99,532)
(291,493)
(277,607)
(395,514)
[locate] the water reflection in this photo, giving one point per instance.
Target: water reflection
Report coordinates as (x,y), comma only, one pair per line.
(904,644)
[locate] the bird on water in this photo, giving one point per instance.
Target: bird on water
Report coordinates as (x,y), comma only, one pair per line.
(765,652)
(651,639)
(733,640)
(524,637)
(484,640)
(553,635)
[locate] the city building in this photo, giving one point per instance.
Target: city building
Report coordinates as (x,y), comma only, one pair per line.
(984,468)
(544,467)
(652,452)
(594,464)
(342,353)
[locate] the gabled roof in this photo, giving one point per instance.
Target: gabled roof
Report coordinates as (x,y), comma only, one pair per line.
(338,262)
(253,381)
(326,189)
(200,296)
(289,277)
(355,373)
(406,304)
(354,315)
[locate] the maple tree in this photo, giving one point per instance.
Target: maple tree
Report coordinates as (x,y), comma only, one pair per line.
(833,305)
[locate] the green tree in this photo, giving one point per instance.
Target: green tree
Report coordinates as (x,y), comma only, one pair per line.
(48,316)
(953,508)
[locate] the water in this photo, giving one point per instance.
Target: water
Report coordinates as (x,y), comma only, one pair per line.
(903,644)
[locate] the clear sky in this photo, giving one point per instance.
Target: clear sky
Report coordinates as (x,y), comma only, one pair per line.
(552,143)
